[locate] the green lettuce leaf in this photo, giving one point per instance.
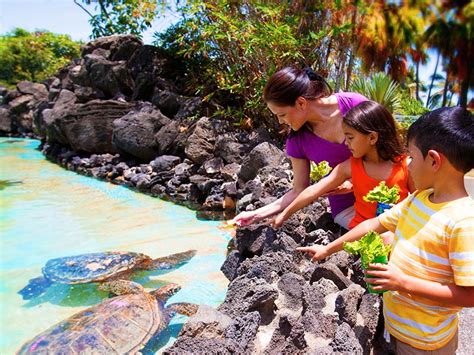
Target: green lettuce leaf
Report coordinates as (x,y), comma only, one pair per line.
(369,247)
(382,193)
(318,171)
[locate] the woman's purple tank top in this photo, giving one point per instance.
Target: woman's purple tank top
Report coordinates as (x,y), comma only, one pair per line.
(304,144)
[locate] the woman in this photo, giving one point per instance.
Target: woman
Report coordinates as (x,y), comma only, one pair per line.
(303,100)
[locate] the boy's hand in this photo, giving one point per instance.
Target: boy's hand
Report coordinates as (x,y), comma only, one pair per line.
(317,252)
(388,277)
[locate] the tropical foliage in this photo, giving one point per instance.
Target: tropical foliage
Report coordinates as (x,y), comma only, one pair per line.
(380,88)
(239,44)
(33,56)
(122,16)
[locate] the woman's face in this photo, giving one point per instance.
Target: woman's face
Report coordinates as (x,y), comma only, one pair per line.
(294,116)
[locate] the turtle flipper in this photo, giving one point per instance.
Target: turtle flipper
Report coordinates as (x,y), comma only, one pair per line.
(171,261)
(35,288)
(165,292)
(188,309)
(121,287)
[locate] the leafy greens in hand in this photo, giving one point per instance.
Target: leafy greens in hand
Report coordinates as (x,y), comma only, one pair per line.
(369,247)
(382,193)
(318,171)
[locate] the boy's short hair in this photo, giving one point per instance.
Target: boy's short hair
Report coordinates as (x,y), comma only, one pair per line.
(448,130)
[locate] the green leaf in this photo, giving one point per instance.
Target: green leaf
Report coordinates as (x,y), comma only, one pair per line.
(382,193)
(318,171)
(369,247)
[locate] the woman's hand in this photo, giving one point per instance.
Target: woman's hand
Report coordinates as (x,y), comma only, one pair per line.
(246,218)
(344,188)
(386,277)
(317,252)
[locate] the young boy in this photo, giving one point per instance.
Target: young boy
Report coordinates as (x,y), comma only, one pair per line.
(431,270)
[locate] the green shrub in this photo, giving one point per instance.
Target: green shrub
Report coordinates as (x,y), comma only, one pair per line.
(410,106)
(33,56)
(379,88)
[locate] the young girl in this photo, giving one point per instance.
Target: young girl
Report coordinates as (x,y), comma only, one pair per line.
(377,155)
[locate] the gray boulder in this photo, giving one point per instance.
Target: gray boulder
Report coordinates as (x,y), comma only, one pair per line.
(117,47)
(345,341)
(5,119)
(135,132)
(165,162)
(347,302)
(86,127)
(264,154)
(246,295)
(200,144)
(330,272)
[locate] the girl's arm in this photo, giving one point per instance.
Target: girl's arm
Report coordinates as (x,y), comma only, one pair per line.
(340,174)
(301,169)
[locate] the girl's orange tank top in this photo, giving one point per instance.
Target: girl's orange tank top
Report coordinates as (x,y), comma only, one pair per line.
(363,183)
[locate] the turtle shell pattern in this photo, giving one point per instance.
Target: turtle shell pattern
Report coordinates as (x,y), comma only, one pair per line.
(123,324)
(92,267)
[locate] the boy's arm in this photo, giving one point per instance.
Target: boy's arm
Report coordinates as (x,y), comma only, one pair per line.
(340,174)
(390,277)
(319,252)
(461,252)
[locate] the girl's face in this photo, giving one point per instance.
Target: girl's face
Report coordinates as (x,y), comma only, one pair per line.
(294,116)
(358,143)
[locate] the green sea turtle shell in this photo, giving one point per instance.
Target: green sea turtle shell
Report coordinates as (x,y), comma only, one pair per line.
(121,325)
(92,267)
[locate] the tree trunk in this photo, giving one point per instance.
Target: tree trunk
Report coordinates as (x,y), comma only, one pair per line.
(350,66)
(417,81)
(354,47)
(465,87)
(433,79)
(445,90)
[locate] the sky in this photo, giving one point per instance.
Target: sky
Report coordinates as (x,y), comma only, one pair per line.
(65,17)
(58,16)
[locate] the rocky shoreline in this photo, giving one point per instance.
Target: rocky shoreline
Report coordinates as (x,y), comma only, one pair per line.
(119,113)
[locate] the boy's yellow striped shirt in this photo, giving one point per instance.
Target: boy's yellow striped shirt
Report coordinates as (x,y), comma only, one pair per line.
(433,242)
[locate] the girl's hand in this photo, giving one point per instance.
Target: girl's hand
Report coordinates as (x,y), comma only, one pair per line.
(344,188)
(246,218)
(388,277)
(317,252)
(278,221)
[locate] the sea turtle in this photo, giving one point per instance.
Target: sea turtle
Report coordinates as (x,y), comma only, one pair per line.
(119,325)
(98,267)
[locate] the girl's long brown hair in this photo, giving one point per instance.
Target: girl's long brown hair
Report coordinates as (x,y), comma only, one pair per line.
(370,116)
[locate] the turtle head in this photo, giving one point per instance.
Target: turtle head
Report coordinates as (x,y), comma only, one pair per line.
(165,292)
(121,287)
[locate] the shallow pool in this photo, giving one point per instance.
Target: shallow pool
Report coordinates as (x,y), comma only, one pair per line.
(49,212)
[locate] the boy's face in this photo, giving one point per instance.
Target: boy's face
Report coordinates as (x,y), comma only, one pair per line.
(419,168)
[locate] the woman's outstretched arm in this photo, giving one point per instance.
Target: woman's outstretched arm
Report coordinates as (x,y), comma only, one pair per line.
(341,173)
(301,181)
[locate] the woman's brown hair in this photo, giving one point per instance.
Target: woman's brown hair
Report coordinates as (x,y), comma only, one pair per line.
(370,116)
(287,84)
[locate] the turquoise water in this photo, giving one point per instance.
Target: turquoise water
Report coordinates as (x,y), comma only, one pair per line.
(54,212)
